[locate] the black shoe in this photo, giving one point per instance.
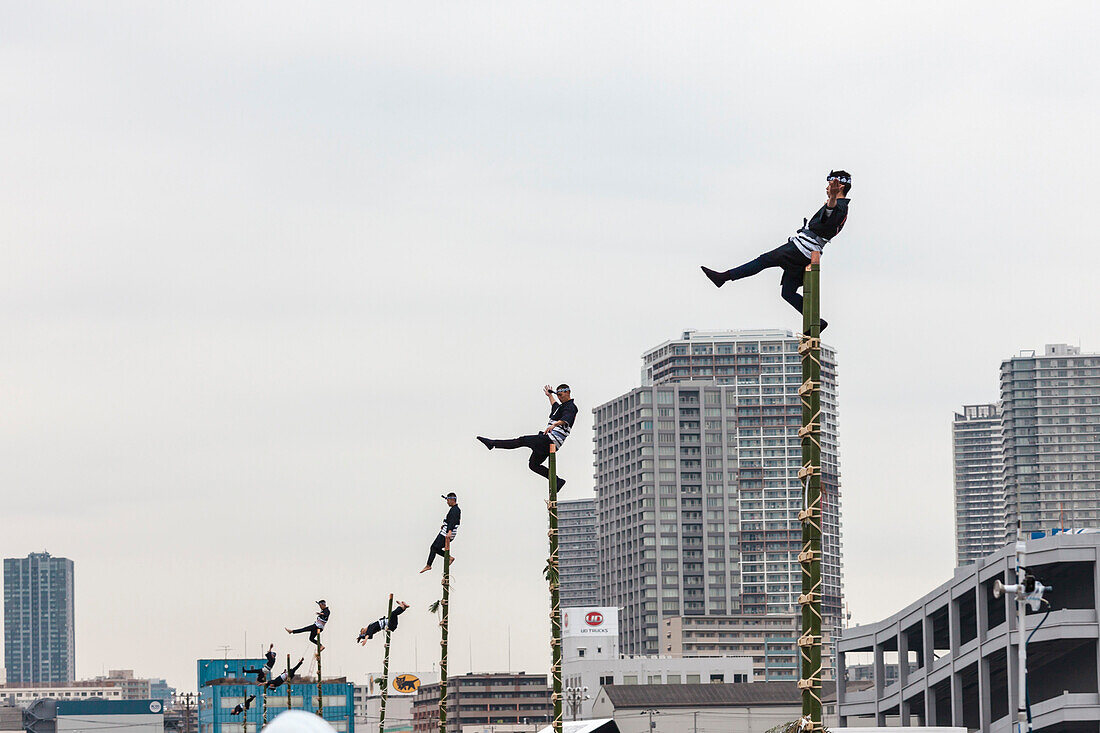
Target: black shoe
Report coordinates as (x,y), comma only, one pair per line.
(486,442)
(824,325)
(561,483)
(718,278)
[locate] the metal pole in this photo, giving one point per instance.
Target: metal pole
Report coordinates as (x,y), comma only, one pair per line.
(1021,622)
(445,606)
(809,644)
(552,578)
(385,670)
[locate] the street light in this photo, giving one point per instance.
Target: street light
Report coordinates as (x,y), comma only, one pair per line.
(575,696)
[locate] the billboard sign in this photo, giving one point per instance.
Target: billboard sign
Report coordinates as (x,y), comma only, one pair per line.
(590,621)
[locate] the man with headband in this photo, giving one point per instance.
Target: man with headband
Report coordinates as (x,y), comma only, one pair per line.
(793,256)
(562,416)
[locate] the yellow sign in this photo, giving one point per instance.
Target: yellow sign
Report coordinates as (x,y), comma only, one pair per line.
(407,683)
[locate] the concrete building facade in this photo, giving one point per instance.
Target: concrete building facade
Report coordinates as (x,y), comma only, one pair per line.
(578,553)
(1051,417)
(484,700)
(770,643)
(23,695)
(956,649)
(591,659)
(979,484)
(39,631)
(697,487)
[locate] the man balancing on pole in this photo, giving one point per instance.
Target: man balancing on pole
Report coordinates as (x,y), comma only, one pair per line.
(562,416)
(241,707)
(284,677)
(447,531)
(264,673)
(793,256)
(382,624)
(316,627)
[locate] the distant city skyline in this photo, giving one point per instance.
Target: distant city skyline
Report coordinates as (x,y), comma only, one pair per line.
(267,274)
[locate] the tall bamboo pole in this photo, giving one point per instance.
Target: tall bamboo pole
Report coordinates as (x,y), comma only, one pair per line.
(552,579)
(288,703)
(263,689)
(244,720)
(445,605)
(385,670)
(320,698)
(809,644)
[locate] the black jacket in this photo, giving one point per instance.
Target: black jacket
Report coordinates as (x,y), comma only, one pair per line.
(827,223)
(454,516)
(565,411)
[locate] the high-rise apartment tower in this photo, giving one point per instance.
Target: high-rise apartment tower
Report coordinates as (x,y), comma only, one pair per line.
(39,643)
(697,484)
(979,484)
(1051,414)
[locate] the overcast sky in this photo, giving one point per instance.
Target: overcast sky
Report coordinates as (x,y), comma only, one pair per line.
(267,269)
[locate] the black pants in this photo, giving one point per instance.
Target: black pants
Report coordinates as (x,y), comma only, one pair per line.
(314,632)
(788,257)
(376,627)
(539,443)
(261,673)
(436,549)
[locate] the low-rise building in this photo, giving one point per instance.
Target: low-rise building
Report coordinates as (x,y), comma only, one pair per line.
(745,708)
(484,700)
(24,695)
(596,673)
(956,648)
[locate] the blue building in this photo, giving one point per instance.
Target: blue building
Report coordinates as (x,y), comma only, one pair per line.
(223,684)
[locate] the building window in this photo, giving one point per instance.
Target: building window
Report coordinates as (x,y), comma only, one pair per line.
(672,679)
(630,679)
(607,679)
(717,678)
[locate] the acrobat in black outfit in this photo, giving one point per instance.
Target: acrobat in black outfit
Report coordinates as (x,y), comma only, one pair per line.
(382,624)
(285,677)
(793,256)
(264,672)
(562,416)
(448,530)
(317,626)
(241,708)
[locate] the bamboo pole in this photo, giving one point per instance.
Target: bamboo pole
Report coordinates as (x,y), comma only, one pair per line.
(552,579)
(445,606)
(320,698)
(385,670)
(288,703)
(809,644)
(263,691)
(244,720)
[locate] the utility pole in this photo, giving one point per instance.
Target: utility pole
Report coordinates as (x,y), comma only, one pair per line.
(651,712)
(187,713)
(809,559)
(1027,592)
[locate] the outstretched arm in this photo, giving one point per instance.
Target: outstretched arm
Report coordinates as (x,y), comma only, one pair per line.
(549,392)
